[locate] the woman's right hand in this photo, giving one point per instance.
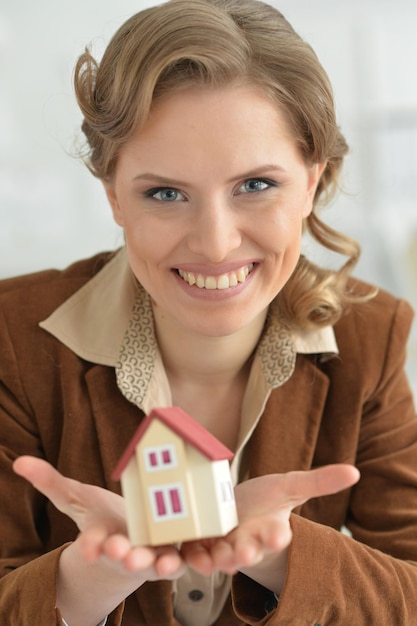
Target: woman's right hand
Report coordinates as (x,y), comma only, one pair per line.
(101,518)
(101,567)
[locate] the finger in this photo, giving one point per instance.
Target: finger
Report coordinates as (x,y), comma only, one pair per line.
(46,479)
(82,502)
(117,547)
(169,563)
(139,558)
(252,538)
(35,470)
(323,481)
(249,550)
(197,556)
(224,556)
(91,542)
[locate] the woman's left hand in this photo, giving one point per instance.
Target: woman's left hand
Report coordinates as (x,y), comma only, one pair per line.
(258,546)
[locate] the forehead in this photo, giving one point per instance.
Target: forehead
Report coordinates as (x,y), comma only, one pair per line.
(205,137)
(206,118)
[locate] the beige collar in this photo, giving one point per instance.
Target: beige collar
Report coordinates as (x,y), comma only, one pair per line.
(93,321)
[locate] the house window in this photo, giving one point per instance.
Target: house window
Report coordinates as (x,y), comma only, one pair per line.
(226,491)
(167,502)
(159,458)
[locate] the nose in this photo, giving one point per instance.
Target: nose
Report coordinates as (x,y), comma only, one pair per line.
(215,231)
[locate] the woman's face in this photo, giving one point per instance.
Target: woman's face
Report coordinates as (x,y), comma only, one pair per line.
(212,193)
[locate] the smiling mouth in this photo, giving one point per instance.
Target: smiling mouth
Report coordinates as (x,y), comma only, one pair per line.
(224,281)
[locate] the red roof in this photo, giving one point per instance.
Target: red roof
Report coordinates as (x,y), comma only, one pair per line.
(183,425)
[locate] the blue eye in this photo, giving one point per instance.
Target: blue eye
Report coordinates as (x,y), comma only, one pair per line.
(165,194)
(254,185)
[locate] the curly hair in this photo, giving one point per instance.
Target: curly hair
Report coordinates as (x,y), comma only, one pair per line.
(214,43)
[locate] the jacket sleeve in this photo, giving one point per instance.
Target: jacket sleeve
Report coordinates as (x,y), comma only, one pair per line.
(371,577)
(28,565)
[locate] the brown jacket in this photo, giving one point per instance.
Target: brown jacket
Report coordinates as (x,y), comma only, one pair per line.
(356,408)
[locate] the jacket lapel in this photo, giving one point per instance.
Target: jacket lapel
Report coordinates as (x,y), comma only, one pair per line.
(116,419)
(286,436)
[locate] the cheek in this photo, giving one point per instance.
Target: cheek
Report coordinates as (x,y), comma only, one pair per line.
(148,240)
(282,243)
(139,242)
(283,228)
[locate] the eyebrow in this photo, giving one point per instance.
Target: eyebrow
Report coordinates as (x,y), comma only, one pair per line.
(165,180)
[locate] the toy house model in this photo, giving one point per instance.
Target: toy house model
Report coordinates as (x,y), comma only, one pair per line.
(176,482)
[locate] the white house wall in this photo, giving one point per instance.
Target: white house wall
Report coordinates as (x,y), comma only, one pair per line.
(222,479)
(214,518)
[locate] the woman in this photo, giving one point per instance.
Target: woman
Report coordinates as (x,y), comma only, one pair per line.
(211,125)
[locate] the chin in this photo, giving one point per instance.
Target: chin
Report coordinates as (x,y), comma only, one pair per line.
(222,327)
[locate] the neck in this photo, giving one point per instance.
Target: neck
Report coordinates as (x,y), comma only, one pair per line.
(206,359)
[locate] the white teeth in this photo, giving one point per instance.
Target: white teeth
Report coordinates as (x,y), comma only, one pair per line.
(211,283)
(221,282)
(233,280)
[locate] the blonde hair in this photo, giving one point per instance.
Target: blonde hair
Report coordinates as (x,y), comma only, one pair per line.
(213,43)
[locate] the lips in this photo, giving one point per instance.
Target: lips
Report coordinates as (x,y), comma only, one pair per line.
(224,281)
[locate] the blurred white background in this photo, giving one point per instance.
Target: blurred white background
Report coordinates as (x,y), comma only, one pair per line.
(52,211)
